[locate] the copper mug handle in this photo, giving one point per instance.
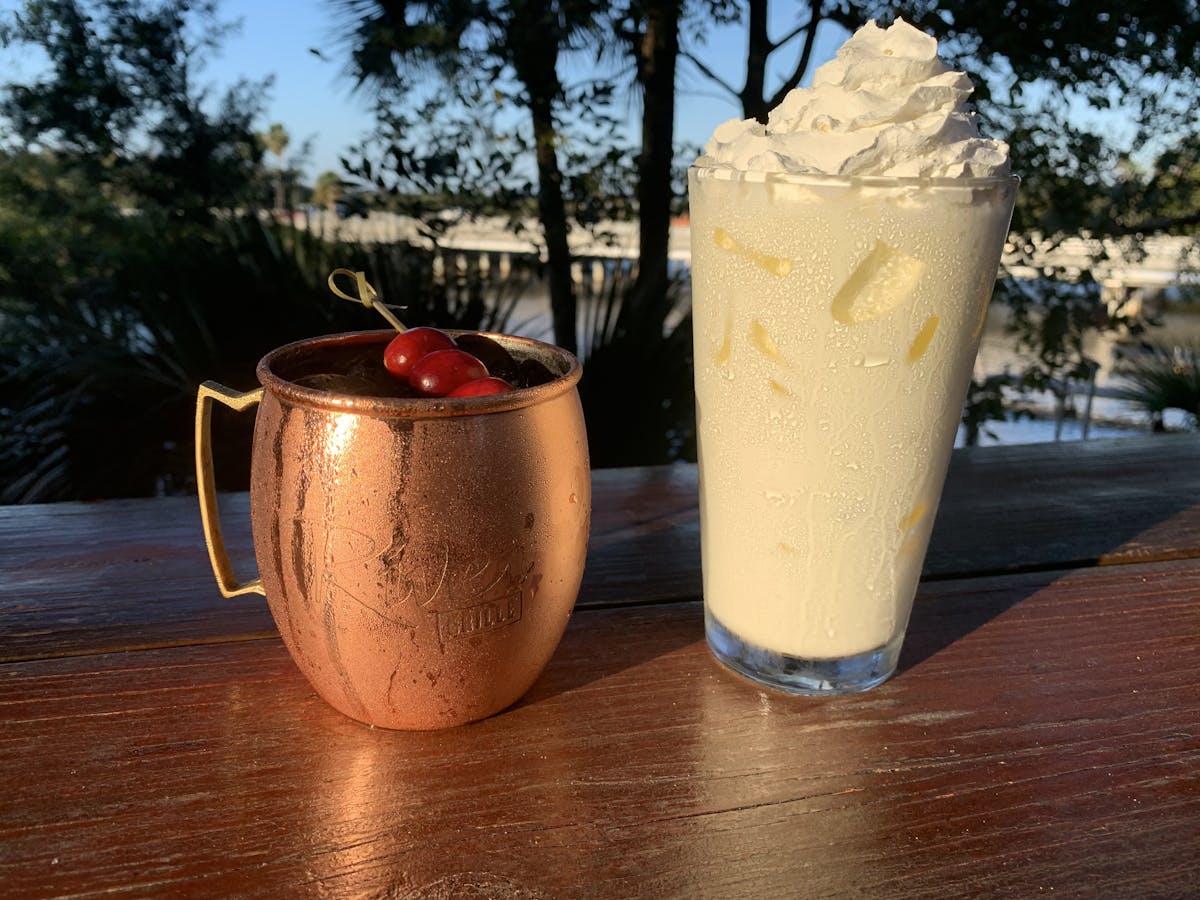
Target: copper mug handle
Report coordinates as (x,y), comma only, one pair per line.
(210,515)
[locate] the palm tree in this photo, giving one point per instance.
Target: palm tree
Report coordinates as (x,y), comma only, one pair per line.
(1164,378)
(526,37)
(327,191)
(276,139)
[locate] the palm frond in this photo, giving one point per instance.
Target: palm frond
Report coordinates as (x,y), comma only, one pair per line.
(1162,378)
(99,367)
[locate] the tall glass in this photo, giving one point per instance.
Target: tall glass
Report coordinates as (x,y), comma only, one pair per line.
(836,322)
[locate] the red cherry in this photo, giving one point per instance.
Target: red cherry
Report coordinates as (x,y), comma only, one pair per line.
(410,345)
(481,387)
(438,373)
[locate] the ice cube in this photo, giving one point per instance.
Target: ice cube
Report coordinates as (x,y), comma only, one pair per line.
(723,352)
(915,515)
(762,340)
(776,265)
(923,339)
(883,280)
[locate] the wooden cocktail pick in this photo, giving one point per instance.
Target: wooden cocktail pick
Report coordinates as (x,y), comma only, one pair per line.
(367,295)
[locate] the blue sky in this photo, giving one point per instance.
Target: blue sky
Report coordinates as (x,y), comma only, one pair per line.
(309,95)
(314,100)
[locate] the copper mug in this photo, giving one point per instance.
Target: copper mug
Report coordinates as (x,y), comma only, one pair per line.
(420,557)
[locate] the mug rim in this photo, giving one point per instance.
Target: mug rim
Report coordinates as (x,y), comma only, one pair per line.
(416,407)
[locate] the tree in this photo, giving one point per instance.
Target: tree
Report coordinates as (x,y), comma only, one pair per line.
(1049,75)
(115,171)
(651,29)
(1036,64)
(276,139)
(524,39)
(328,190)
(755,97)
(118,101)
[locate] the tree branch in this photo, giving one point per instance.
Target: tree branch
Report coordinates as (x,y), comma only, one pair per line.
(709,73)
(814,19)
(775,45)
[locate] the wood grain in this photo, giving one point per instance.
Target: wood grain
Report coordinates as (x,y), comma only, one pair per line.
(91,577)
(1004,509)
(1103,502)
(120,574)
(1043,735)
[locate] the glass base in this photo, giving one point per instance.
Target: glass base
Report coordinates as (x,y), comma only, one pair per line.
(794,675)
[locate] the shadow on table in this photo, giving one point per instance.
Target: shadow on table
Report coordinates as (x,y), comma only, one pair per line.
(947,611)
(602,643)
(1039,507)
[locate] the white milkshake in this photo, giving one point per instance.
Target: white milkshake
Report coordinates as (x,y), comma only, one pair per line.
(842,259)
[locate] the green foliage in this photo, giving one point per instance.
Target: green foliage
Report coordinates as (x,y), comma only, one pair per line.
(457,151)
(1051,77)
(275,141)
(1161,378)
(101,361)
(125,279)
(1049,318)
(118,101)
(516,49)
(445,158)
(985,403)
(1165,199)
(101,358)
(328,190)
(637,384)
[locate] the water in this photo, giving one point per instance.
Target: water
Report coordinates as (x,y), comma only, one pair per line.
(1042,430)
(1110,418)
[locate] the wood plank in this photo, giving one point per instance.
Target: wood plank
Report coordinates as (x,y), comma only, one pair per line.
(80,577)
(1042,736)
(120,574)
(1102,502)
(1004,509)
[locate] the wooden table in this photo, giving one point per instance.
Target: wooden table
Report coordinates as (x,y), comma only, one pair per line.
(1042,735)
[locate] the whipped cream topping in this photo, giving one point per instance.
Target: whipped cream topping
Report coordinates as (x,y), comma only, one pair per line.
(886,105)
